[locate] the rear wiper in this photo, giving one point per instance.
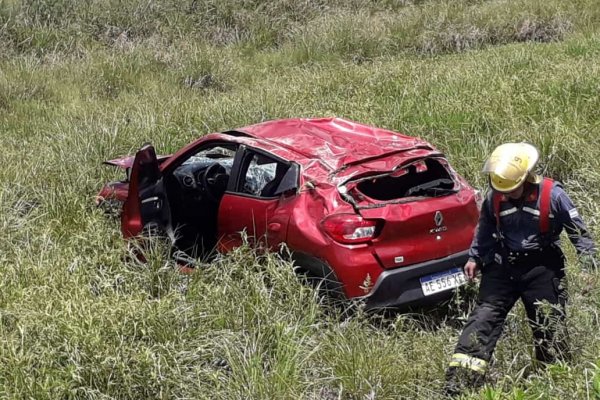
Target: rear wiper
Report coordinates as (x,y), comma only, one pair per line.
(437,191)
(433,188)
(430,191)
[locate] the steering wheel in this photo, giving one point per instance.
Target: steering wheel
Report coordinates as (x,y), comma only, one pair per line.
(212,181)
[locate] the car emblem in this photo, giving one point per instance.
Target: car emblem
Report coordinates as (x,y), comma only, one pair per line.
(438,218)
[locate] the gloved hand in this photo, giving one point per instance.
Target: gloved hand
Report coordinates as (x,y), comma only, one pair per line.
(588,262)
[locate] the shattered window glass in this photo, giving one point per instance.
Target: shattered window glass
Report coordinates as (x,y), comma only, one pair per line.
(260,172)
(209,155)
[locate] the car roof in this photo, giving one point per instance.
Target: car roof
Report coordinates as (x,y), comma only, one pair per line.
(334,142)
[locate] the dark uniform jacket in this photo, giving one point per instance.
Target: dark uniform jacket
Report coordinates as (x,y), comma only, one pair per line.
(520,225)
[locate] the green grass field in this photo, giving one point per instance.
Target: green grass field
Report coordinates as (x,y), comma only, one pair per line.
(85,81)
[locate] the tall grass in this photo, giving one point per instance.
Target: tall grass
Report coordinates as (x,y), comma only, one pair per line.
(81,82)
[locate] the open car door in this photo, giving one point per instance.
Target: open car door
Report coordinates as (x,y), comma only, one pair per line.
(147,206)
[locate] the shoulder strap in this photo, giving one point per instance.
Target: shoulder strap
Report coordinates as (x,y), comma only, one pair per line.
(544,204)
(496,200)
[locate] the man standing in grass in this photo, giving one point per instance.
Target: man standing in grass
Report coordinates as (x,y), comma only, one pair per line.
(517,249)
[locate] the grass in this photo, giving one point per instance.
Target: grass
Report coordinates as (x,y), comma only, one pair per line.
(81,82)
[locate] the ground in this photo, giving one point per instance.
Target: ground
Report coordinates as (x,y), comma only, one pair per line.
(82,82)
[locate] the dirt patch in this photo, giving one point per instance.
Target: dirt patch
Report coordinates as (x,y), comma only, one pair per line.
(23,207)
(4,104)
(203,82)
(227,35)
(455,39)
(530,30)
(116,37)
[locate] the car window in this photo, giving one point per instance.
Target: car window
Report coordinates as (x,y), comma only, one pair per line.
(191,172)
(261,175)
(210,155)
(424,178)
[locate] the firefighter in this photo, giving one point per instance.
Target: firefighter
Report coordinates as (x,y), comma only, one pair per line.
(517,249)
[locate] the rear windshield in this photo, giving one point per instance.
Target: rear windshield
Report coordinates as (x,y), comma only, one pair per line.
(425,178)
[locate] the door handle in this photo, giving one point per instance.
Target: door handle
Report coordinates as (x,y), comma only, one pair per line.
(274,227)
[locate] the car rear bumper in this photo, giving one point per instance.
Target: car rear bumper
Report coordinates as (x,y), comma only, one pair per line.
(401,287)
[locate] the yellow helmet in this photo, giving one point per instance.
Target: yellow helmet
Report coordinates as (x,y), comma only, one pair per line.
(510,165)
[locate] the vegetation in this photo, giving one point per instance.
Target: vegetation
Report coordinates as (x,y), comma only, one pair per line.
(85,81)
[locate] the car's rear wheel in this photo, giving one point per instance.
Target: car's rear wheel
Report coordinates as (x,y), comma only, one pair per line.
(319,275)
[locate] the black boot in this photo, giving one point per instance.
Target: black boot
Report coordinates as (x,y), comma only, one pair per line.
(459,379)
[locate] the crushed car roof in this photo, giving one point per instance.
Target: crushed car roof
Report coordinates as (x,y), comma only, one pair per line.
(335,142)
(328,149)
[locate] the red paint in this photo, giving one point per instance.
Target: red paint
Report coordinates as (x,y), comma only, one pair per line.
(330,152)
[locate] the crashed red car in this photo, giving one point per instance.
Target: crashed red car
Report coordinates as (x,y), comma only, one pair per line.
(376,214)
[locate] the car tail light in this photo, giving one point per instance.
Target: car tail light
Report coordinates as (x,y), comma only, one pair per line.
(351,228)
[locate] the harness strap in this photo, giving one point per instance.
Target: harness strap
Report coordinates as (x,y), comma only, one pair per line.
(497,199)
(544,204)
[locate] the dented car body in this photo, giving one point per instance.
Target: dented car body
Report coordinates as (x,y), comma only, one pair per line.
(373,213)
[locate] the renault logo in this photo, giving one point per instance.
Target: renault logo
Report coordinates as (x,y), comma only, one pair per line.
(438,218)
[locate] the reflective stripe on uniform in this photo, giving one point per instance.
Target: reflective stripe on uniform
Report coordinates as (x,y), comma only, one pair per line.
(498,258)
(531,211)
(535,212)
(465,361)
(508,212)
(573,213)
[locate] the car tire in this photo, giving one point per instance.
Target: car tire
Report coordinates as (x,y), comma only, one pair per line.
(318,274)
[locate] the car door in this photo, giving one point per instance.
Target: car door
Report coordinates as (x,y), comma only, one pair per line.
(147,205)
(258,201)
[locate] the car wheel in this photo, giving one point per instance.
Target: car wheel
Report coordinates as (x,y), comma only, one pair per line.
(318,274)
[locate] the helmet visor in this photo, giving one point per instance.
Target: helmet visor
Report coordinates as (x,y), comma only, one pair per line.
(504,185)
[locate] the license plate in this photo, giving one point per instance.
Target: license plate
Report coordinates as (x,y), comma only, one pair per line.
(443,281)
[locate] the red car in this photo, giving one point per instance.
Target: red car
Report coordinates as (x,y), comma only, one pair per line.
(377,214)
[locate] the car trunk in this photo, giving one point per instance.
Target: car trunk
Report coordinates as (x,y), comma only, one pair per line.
(427,212)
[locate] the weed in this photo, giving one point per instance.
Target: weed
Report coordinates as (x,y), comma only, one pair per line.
(86,81)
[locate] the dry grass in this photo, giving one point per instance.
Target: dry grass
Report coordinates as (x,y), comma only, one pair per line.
(82,82)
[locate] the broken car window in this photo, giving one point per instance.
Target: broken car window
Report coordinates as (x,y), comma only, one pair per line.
(428,177)
(217,161)
(259,172)
(262,176)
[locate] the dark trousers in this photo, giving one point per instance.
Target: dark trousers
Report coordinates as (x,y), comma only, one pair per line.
(538,280)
